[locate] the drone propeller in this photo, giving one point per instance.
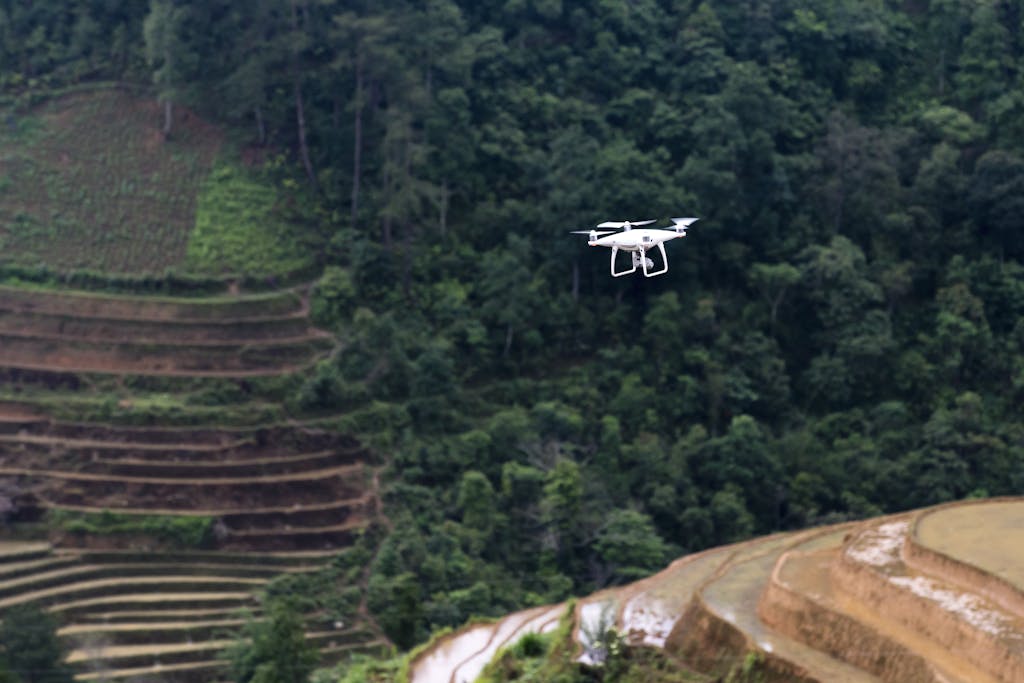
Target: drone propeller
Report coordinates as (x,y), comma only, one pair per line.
(622,224)
(593,233)
(681,224)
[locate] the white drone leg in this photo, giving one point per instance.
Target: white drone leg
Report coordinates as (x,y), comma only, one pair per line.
(615,253)
(664,260)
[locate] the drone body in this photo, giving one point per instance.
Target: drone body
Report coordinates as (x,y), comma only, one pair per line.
(638,242)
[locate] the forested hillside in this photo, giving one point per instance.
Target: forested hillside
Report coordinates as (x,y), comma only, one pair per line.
(840,335)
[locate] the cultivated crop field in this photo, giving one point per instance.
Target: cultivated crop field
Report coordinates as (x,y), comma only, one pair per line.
(87,181)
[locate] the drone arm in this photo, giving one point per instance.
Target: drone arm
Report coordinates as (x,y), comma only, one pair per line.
(664,260)
(615,253)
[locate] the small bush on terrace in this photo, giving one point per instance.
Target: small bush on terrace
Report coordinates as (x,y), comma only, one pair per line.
(179,532)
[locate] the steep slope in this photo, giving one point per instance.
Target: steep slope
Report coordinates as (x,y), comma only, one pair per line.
(163,525)
(929,596)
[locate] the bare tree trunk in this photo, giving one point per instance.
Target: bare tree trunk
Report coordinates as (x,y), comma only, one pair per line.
(300,114)
(357,146)
(942,72)
(261,127)
(445,194)
(389,189)
(407,264)
(303,146)
(508,341)
(168,117)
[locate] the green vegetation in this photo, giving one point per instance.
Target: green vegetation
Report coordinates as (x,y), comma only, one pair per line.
(140,409)
(178,532)
(244,225)
(332,591)
(362,669)
(840,335)
(520,662)
(548,658)
(29,649)
(273,649)
(167,282)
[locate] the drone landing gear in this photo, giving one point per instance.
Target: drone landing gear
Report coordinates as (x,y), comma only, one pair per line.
(640,259)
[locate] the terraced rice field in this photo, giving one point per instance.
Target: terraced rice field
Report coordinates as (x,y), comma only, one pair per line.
(463,655)
(76,332)
(932,596)
(273,499)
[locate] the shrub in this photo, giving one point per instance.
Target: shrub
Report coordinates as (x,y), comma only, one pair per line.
(178,531)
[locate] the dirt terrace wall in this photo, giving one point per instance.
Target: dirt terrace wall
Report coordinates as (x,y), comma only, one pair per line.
(706,642)
(38,324)
(130,357)
(875,590)
(224,495)
(90,304)
(19,412)
(950,569)
(281,437)
(802,618)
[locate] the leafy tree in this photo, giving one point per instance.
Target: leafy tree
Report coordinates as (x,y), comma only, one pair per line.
(168,54)
(994,196)
(562,507)
(477,502)
(731,519)
(31,651)
(962,341)
(629,546)
(256,52)
(741,461)
(840,335)
(273,649)
(985,61)
(773,280)
(508,288)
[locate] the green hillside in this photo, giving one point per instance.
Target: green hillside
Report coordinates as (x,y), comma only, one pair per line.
(839,336)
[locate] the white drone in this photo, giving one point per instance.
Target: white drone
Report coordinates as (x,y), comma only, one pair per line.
(637,242)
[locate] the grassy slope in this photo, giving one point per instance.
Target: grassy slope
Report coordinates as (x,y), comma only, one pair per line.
(242,226)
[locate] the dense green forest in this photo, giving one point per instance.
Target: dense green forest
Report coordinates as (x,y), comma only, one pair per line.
(840,335)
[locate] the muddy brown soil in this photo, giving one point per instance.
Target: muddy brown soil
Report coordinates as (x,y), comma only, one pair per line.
(100,491)
(45,325)
(809,618)
(279,436)
(239,453)
(91,305)
(264,358)
(15,412)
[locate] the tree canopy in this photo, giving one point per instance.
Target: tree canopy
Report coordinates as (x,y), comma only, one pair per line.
(840,335)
